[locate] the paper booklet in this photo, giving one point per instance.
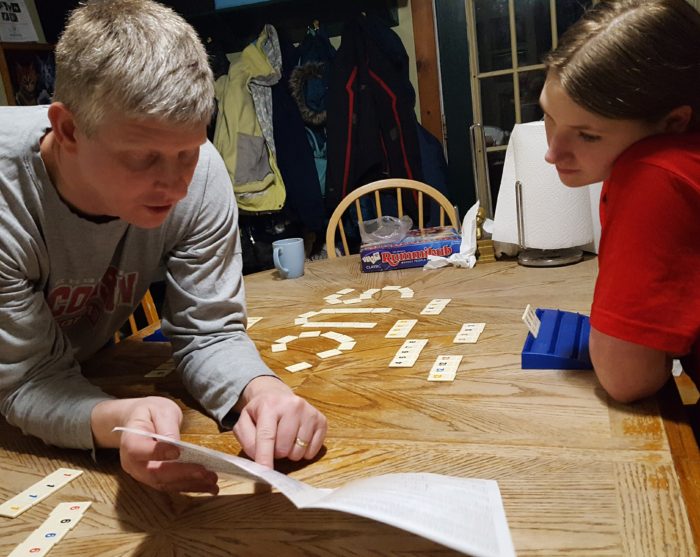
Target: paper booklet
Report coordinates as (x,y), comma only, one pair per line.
(461,513)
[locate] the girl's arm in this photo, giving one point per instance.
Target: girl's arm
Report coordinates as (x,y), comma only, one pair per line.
(628,371)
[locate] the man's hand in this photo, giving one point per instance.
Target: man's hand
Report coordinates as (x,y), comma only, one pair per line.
(276,423)
(142,457)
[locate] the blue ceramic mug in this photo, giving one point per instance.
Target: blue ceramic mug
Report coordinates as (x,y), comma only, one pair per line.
(289,256)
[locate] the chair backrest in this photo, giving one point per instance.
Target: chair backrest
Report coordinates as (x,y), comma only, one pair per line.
(335,224)
(150,312)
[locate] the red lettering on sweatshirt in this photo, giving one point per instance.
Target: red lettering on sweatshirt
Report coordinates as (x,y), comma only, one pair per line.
(125,292)
(58,300)
(78,298)
(71,302)
(106,287)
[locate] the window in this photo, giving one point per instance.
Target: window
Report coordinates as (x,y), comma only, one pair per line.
(507,41)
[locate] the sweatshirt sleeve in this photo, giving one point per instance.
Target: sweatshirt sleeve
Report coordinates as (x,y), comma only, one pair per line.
(42,390)
(205,312)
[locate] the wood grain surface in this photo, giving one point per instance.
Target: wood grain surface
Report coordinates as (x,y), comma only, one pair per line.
(579,474)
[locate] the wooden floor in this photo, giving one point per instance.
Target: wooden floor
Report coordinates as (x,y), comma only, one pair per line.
(579,474)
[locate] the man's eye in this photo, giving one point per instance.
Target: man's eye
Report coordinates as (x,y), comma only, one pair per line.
(188,157)
(588,137)
(141,162)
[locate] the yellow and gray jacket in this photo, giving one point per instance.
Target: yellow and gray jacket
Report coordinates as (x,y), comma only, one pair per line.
(243,133)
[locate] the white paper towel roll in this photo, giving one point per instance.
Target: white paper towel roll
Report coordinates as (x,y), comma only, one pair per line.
(554,215)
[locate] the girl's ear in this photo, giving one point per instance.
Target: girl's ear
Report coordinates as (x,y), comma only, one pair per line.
(678,120)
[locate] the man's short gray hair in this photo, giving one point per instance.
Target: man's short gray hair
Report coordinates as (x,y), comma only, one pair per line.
(136,57)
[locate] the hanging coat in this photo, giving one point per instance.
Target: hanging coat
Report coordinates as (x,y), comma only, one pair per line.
(294,154)
(244,134)
(371,119)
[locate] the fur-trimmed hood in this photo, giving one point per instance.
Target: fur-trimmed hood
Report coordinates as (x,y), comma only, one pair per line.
(298,78)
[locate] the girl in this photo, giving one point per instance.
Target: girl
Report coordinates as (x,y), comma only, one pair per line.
(622,104)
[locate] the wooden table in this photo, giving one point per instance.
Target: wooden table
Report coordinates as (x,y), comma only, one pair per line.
(579,474)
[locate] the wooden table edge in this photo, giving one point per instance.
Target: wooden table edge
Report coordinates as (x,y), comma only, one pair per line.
(685,452)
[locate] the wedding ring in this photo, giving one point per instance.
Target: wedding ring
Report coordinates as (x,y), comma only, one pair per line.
(301,443)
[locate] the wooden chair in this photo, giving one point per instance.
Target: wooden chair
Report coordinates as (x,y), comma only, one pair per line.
(149,310)
(399,185)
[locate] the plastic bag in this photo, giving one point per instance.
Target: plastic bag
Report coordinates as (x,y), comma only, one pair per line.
(385,230)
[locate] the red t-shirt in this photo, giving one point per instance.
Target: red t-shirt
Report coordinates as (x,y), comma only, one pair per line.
(648,287)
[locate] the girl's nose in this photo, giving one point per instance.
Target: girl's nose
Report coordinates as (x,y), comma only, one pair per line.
(555,149)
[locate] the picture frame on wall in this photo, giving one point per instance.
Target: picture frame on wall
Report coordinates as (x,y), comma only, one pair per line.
(28,72)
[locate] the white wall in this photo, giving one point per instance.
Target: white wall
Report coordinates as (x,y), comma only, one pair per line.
(405,32)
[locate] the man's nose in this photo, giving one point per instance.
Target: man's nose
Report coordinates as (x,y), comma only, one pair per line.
(175,177)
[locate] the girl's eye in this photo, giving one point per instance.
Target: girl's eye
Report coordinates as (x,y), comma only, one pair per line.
(587,137)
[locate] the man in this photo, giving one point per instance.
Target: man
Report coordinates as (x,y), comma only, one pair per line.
(100,192)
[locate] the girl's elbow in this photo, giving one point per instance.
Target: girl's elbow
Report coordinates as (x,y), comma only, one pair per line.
(624,389)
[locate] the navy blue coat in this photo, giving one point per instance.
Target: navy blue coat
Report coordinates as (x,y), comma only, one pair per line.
(371,119)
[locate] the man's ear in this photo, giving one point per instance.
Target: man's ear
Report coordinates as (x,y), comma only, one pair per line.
(678,120)
(63,126)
